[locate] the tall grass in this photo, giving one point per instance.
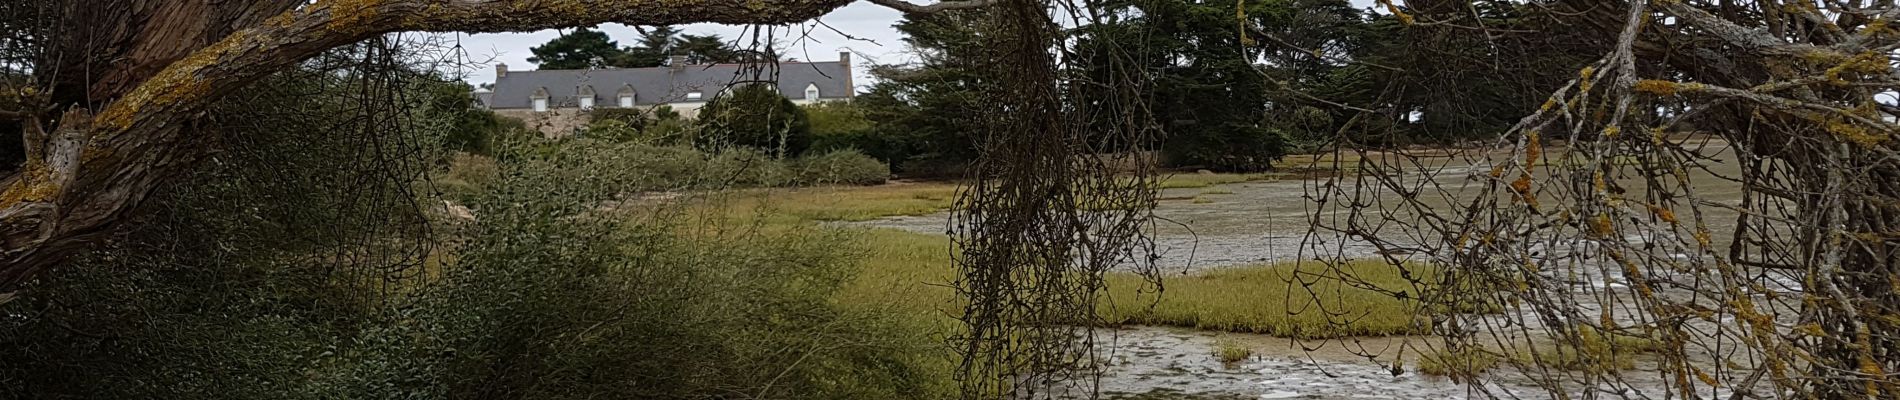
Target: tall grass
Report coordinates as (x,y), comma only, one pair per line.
(1288,300)
(1231,352)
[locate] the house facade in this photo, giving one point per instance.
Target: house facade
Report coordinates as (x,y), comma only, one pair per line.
(557,101)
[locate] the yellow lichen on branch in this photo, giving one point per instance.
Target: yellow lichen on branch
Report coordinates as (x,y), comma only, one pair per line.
(1403,17)
(1586,79)
(1663,213)
(1601,226)
(177,83)
(1665,88)
(1533,148)
(346,15)
(1522,187)
(35,185)
(1869,63)
(1852,132)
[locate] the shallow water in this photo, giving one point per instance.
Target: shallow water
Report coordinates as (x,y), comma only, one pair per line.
(1268,221)
(1147,360)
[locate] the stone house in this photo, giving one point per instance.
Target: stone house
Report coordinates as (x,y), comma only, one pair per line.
(557,101)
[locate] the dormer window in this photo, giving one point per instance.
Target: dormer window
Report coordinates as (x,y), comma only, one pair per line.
(811,92)
(586,96)
(626,96)
(540,98)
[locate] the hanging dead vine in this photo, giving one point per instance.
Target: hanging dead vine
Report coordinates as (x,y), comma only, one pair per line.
(1060,195)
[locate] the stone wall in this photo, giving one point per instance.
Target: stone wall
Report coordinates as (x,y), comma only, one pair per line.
(555,123)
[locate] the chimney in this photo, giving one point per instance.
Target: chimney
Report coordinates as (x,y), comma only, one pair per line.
(677,63)
(501,70)
(844,57)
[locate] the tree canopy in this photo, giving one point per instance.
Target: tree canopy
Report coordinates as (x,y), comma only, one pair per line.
(588,48)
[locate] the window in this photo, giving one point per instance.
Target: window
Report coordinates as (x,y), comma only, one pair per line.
(694,96)
(587,103)
(540,105)
(626,101)
(811,92)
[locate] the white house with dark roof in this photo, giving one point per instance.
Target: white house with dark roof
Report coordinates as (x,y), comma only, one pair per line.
(545,95)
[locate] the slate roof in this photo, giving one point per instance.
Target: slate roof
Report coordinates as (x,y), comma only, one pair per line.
(663,85)
(483,97)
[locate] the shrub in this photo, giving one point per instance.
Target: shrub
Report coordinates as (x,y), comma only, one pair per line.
(632,117)
(670,132)
(935,168)
(470,129)
(612,131)
(639,167)
(553,296)
(746,167)
(665,113)
(882,147)
(467,176)
(617,124)
(1230,148)
(836,118)
(846,167)
(756,116)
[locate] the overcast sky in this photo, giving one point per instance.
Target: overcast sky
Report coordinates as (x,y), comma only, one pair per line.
(877,41)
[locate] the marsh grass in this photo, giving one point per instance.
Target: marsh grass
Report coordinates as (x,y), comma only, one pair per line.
(1195,181)
(1306,301)
(836,203)
(1231,352)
